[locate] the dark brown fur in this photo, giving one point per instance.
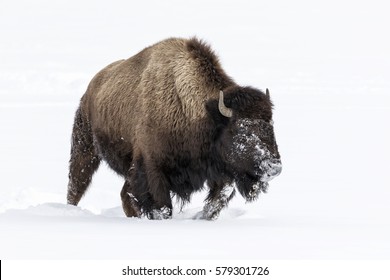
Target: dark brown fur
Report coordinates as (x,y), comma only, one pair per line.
(154,119)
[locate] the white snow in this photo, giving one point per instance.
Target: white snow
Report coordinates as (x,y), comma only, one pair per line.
(327,67)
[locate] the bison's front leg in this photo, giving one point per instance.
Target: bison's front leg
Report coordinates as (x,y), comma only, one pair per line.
(161,207)
(146,193)
(129,201)
(218,198)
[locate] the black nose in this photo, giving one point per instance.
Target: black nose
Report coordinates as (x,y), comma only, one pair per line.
(275,169)
(272,169)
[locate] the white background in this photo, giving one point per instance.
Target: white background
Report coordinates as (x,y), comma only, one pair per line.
(327,66)
(276,269)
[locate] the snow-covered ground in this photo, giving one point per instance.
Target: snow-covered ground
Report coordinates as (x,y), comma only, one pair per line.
(327,66)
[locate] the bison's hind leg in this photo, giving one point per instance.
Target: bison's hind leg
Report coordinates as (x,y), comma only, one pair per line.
(84,159)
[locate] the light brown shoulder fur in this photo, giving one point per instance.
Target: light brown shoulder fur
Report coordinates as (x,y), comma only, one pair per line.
(160,91)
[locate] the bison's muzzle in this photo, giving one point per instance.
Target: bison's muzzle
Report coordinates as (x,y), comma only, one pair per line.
(271,169)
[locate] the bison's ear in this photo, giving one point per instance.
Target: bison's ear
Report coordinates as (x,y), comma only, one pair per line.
(212,108)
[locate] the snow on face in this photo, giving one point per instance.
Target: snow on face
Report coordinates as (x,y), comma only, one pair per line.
(249,150)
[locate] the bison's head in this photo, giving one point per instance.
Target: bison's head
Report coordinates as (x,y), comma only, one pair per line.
(247,140)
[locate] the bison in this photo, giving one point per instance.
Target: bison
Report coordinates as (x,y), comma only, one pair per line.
(171,122)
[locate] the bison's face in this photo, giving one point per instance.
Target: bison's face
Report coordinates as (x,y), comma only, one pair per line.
(253,149)
(249,144)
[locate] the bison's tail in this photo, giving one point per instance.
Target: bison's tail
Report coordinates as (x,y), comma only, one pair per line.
(84,159)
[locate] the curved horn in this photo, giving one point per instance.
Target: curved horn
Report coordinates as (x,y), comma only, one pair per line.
(225,111)
(267,93)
